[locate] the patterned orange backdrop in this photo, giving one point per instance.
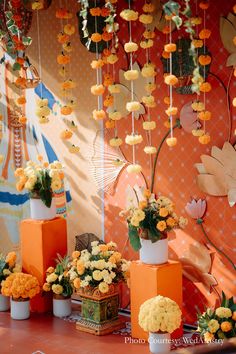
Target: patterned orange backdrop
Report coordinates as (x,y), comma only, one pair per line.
(176,175)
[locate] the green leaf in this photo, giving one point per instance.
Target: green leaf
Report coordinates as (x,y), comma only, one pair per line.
(16,66)
(178,21)
(134,238)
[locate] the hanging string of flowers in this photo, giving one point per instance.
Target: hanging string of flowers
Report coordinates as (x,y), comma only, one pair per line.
(204,87)
(148,72)
(64,62)
(234,40)
(131,75)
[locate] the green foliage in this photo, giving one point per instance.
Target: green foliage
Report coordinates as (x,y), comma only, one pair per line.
(42,188)
(134,237)
(63,280)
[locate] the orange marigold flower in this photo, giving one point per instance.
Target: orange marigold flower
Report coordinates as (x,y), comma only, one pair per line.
(170,47)
(148,7)
(234,9)
(204,59)
(96,37)
(148,34)
(106,52)
(166,100)
(204,33)
(204,5)
(204,115)
(205,87)
(106,36)
(110,124)
(197,43)
(171,80)
(165,55)
(166,30)
(95,11)
(204,139)
(105,12)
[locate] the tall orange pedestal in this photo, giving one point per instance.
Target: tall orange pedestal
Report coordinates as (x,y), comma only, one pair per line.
(40,243)
(147,281)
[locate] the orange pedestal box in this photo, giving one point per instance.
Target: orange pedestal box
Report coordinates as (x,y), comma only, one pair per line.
(147,281)
(40,243)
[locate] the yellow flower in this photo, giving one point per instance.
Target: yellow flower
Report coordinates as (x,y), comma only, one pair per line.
(147,193)
(148,43)
(75,254)
(11,259)
(134,221)
(103,287)
(146,19)
(142,204)
(171,141)
(208,337)
(115,142)
(6,272)
(131,75)
(50,270)
(131,47)
(223,312)
(213,326)
(161,225)
(76,283)
(103,248)
(163,212)
(171,222)
(148,70)
(51,278)
(133,139)
(133,106)
(150,150)
(150,87)
(19,172)
(46,287)
(80,267)
(114,88)
(129,15)
(97,275)
(135,168)
(100,264)
(56,184)
(57,289)
(115,115)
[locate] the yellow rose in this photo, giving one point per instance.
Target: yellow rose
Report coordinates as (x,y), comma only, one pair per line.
(80,267)
(75,254)
(100,264)
(51,278)
(46,287)
(57,289)
(103,287)
(161,225)
(50,270)
(171,222)
(76,283)
(208,337)
(223,312)
(97,275)
(213,326)
(103,248)
(163,212)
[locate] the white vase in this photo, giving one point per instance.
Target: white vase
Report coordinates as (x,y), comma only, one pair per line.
(39,211)
(61,307)
(20,310)
(159,343)
(4,303)
(154,253)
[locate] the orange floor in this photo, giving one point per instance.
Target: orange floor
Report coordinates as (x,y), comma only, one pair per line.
(49,335)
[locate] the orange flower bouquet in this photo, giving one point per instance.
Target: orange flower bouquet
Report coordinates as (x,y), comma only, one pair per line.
(21,287)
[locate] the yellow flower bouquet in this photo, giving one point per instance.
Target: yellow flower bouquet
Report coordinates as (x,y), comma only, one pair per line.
(219,323)
(20,286)
(151,219)
(99,269)
(8,266)
(57,279)
(40,179)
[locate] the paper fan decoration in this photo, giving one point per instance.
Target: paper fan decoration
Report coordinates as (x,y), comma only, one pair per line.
(218,173)
(188,118)
(227,34)
(105,163)
(159,22)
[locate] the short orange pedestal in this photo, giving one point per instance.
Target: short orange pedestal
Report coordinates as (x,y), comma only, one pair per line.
(40,243)
(147,281)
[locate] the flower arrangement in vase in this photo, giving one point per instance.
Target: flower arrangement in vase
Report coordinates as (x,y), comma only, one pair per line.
(159,316)
(149,221)
(218,323)
(21,287)
(95,276)
(58,281)
(41,180)
(7,267)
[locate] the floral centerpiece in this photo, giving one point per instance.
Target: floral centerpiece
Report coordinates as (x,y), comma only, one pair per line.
(150,220)
(21,287)
(41,180)
(58,281)
(218,323)
(7,267)
(95,276)
(159,316)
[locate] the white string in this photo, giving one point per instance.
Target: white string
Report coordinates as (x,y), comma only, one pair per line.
(171,88)
(39,54)
(204,68)
(132,88)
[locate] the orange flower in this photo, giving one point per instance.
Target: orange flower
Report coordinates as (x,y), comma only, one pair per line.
(142,204)
(204,115)
(148,34)
(204,5)
(110,124)
(76,283)
(99,114)
(204,33)
(109,100)
(148,7)
(204,139)
(166,100)
(23,120)
(97,90)
(106,36)
(95,11)
(108,80)
(166,30)
(66,110)
(97,64)
(147,193)
(205,87)
(21,100)
(197,43)
(170,47)
(226,326)
(20,60)
(63,14)
(105,12)
(66,134)
(21,82)
(62,38)
(63,59)
(106,52)
(103,248)
(96,37)
(204,59)
(171,80)
(234,9)
(165,55)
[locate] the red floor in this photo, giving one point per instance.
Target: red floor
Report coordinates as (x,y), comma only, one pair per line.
(50,335)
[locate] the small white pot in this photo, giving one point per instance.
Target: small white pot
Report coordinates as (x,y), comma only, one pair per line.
(39,211)
(159,343)
(61,307)
(4,303)
(20,310)
(154,253)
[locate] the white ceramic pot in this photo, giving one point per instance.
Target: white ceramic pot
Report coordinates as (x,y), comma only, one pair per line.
(61,307)
(4,303)
(39,211)
(159,343)
(20,310)
(154,253)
